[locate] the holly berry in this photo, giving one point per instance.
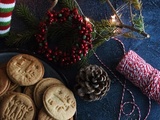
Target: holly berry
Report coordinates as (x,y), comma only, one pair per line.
(81,46)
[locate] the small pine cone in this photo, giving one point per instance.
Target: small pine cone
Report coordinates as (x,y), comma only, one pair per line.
(93,83)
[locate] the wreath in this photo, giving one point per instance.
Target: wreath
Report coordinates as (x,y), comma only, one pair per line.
(80,46)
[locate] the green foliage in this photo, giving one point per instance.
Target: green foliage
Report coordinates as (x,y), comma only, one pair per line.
(18,39)
(85,60)
(138,22)
(103,30)
(137,4)
(23,12)
(68,3)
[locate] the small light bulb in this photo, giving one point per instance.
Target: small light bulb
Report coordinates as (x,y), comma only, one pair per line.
(87,19)
(113,17)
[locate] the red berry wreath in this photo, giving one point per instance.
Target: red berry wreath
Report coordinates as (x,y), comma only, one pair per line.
(80,46)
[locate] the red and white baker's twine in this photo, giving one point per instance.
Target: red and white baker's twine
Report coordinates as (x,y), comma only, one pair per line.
(141,74)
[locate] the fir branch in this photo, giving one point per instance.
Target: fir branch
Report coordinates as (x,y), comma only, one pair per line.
(85,60)
(132,28)
(23,12)
(114,11)
(68,3)
(137,4)
(103,31)
(18,39)
(138,22)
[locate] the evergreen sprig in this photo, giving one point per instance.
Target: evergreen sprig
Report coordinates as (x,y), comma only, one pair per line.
(137,4)
(138,22)
(23,12)
(18,39)
(103,31)
(68,3)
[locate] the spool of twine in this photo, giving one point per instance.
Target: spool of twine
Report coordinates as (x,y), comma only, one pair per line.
(141,74)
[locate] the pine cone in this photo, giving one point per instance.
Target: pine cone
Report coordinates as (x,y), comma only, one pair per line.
(92,83)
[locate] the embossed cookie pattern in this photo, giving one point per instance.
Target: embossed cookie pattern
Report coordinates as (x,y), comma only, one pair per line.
(17,106)
(25,70)
(22,91)
(59,102)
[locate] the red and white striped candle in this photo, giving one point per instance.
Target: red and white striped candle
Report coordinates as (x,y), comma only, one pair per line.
(6,8)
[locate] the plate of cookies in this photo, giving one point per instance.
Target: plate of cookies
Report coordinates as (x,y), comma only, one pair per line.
(30,89)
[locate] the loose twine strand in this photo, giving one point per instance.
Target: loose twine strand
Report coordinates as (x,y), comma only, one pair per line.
(122,103)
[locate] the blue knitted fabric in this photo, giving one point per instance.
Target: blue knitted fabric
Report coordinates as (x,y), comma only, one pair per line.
(110,53)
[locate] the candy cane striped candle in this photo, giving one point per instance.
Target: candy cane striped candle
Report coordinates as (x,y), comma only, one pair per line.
(6,8)
(141,74)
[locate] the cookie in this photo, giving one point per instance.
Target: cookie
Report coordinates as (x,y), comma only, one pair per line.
(4,82)
(59,102)
(17,106)
(13,86)
(25,70)
(18,89)
(40,87)
(43,115)
(29,91)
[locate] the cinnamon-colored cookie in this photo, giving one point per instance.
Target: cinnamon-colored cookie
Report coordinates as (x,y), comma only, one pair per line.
(4,82)
(40,87)
(59,102)
(25,70)
(13,86)
(18,89)
(29,91)
(43,115)
(17,106)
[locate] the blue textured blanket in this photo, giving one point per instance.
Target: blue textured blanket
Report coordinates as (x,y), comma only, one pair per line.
(110,53)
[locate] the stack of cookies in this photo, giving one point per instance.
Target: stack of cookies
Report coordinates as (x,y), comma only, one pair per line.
(26,95)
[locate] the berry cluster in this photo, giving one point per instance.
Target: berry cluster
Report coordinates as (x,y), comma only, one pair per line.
(81,45)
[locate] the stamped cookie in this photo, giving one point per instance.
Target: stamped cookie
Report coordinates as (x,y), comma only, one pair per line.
(13,86)
(25,70)
(4,82)
(29,91)
(59,102)
(17,106)
(43,115)
(40,87)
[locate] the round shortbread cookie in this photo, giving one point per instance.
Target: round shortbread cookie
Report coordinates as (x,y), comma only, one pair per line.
(29,91)
(43,115)
(18,89)
(4,82)
(17,106)
(25,70)
(40,87)
(13,86)
(59,102)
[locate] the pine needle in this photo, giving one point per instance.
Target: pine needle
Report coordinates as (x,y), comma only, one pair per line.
(23,12)
(18,39)
(68,3)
